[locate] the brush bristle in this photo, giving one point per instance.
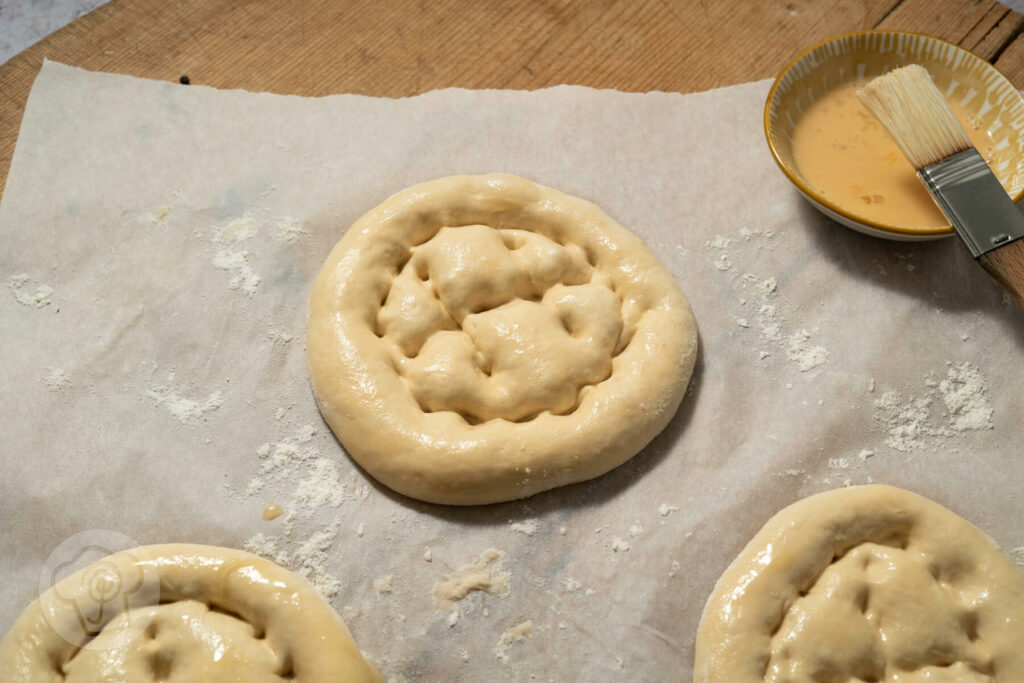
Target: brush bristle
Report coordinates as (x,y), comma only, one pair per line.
(908,105)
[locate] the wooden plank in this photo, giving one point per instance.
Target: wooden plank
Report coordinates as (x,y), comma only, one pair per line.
(404,47)
(937,19)
(992,44)
(1011,61)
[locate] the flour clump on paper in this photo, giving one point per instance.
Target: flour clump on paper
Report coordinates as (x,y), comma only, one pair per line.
(486,574)
(481,338)
(911,422)
(36,298)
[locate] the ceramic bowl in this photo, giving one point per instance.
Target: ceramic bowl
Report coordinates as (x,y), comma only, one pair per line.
(960,75)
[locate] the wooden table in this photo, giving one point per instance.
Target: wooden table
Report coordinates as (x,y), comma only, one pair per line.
(403,47)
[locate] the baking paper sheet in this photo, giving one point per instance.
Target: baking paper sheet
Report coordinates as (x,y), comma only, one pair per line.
(157,246)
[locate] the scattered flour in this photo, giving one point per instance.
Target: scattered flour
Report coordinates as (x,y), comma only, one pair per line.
(289,230)
(620,546)
(528,527)
(747,234)
(673,568)
(37,298)
(635,529)
(910,423)
(321,486)
(1018,556)
(279,337)
(235,231)
(56,379)
(759,300)
(307,561)
(805,356)
(721,260)
(383,584)
(865,454)
(966,399)
(315,483)
(665,509)
(428,555)
(486,574)
(571,585)
(517,633)
(237,264)
(185,410)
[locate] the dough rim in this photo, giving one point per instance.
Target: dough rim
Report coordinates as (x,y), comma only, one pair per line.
(437,457)
(294,617)
(808,530)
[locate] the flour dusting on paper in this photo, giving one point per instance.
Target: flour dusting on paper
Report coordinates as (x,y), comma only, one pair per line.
(517,633)
(760,303)
(56,379)
(308,560)
(243,277)
(913,422)
(33,298)
(185,410)
(527,527)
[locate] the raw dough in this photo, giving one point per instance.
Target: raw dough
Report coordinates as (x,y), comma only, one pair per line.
(870,583)
(481,338)
(181,613)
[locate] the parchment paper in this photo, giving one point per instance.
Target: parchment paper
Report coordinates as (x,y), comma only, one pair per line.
(136,201)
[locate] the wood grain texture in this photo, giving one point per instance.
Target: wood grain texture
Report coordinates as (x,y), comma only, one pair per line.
(1006,264)
(398,48)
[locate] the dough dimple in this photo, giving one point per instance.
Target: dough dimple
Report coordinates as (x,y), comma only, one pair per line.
(471,340)
(181,612)
(870,583)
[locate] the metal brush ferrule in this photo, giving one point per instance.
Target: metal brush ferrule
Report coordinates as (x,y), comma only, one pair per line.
(974,201)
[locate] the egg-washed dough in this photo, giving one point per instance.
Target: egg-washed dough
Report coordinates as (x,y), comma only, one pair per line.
(477,339)
(181,614)
(870,583)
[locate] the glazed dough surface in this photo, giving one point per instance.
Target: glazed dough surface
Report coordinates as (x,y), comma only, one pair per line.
(870,583)
(181,613)
(481,338)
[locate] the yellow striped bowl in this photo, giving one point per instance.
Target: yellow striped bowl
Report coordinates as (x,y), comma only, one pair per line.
(963,77)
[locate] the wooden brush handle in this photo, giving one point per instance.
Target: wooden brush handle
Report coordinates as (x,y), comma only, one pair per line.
(1006,264)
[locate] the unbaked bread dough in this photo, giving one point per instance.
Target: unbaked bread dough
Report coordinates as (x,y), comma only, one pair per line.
(477,339)
(181,614)
(870,583)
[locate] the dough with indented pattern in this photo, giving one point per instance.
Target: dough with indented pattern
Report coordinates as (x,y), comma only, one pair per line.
(181,614)
(870,583)
(477,339)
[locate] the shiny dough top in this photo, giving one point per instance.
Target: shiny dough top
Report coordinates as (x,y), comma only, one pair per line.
(870,583)
(181,614)
(477,339)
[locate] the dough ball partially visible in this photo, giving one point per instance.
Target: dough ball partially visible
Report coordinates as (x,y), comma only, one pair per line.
(181,612)
(870,583)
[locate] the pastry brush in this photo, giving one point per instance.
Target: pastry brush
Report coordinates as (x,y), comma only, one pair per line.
(909,106)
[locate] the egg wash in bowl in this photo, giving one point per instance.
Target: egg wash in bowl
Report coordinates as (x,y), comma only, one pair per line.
(842,160)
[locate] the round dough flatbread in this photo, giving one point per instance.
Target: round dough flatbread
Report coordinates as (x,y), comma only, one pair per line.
(477,339)
(870,583)
(181,613)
